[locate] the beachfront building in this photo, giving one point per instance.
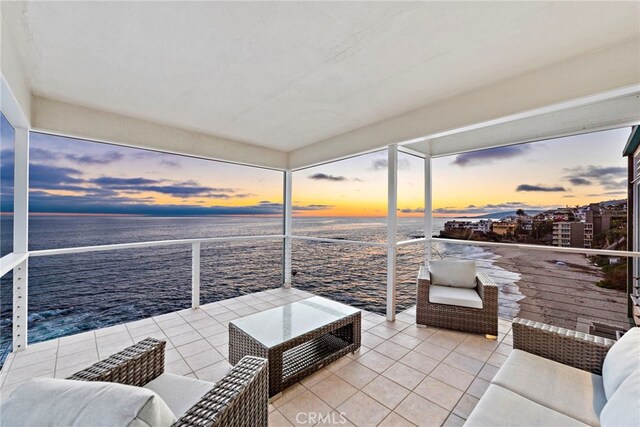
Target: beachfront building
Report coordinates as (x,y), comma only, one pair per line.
(573,234)
(482,226)
(285,87)
(503,228)
(458,225)
(562,233)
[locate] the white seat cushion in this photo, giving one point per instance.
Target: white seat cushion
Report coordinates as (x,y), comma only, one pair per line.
(52,402)
(622,360)
(461,297)
(500,407)
(622,409)
(576,393)
(455,273)
(179,392)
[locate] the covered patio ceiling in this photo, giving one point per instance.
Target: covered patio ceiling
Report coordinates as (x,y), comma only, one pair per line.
(286,85)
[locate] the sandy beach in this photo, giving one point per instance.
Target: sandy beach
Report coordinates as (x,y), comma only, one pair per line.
(562,295)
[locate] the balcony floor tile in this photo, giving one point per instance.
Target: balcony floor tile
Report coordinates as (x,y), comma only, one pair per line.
(401,376)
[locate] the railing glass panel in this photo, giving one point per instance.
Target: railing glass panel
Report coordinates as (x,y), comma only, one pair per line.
(350,273)
(231,269)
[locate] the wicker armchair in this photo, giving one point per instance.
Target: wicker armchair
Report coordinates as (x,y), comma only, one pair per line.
(481,320)
(239,399)
(577,349)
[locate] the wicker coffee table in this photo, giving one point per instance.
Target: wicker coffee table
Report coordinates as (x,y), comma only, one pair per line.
(297,338)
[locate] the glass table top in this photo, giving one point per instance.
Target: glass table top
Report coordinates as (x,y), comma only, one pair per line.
(280,324)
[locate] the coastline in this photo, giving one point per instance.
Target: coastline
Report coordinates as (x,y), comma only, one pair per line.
(561,295)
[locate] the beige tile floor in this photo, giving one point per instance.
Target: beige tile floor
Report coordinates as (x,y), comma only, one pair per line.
(402,376)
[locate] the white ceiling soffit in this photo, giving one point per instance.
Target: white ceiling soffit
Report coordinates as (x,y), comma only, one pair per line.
(587,76)
(81,122)
(588,117)
(285,75)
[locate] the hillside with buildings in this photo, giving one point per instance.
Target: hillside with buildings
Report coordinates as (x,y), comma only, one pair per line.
(600,225)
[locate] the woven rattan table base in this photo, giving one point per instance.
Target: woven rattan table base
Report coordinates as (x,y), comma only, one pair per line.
(302,355)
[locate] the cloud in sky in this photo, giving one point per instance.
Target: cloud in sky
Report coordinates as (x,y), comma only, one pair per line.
(409,210)
(609,177)
(41,201)
(488,156)
(580,181)
(183,189)
(491,208)
(116,195)
(170,163)
(383,164)
(54,178)
(297,208)
(42,154)
(608,193)
(85,159)
(540,187)
(325,177)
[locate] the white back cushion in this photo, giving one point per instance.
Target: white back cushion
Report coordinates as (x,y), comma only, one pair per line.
(455,273)
(622,409)
(51,402)
(179,393)
(622,360)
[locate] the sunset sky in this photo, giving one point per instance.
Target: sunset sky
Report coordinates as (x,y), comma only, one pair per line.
(536,176)
(75,176)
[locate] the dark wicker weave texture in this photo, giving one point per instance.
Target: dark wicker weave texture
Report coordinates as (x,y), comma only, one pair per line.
(239,399)
(135,365)
(484,320)
(298,357)
(577,349)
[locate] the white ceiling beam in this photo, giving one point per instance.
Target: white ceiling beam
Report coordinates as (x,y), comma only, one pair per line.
(80,122)
(600,71)
(602,115)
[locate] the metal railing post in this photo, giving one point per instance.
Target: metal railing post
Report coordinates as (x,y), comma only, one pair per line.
(21,239)
(288,217)
(428,209)
(195,275)
(20,306)
(392,237)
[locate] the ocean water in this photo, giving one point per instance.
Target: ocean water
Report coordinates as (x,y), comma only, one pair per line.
(69,294)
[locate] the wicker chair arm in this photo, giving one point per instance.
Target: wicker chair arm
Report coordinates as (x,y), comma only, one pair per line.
(135,365)
(424,281)
(577,349)
(423,273)
(487,288)
(239,399)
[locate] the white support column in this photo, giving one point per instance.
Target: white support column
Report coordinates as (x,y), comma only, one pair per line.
(195,275)
(21,238)
(288,217)
(392,237)
(428,209)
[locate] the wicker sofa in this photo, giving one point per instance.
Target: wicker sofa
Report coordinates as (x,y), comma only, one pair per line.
(239,399)
(559,377)
(482,320)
